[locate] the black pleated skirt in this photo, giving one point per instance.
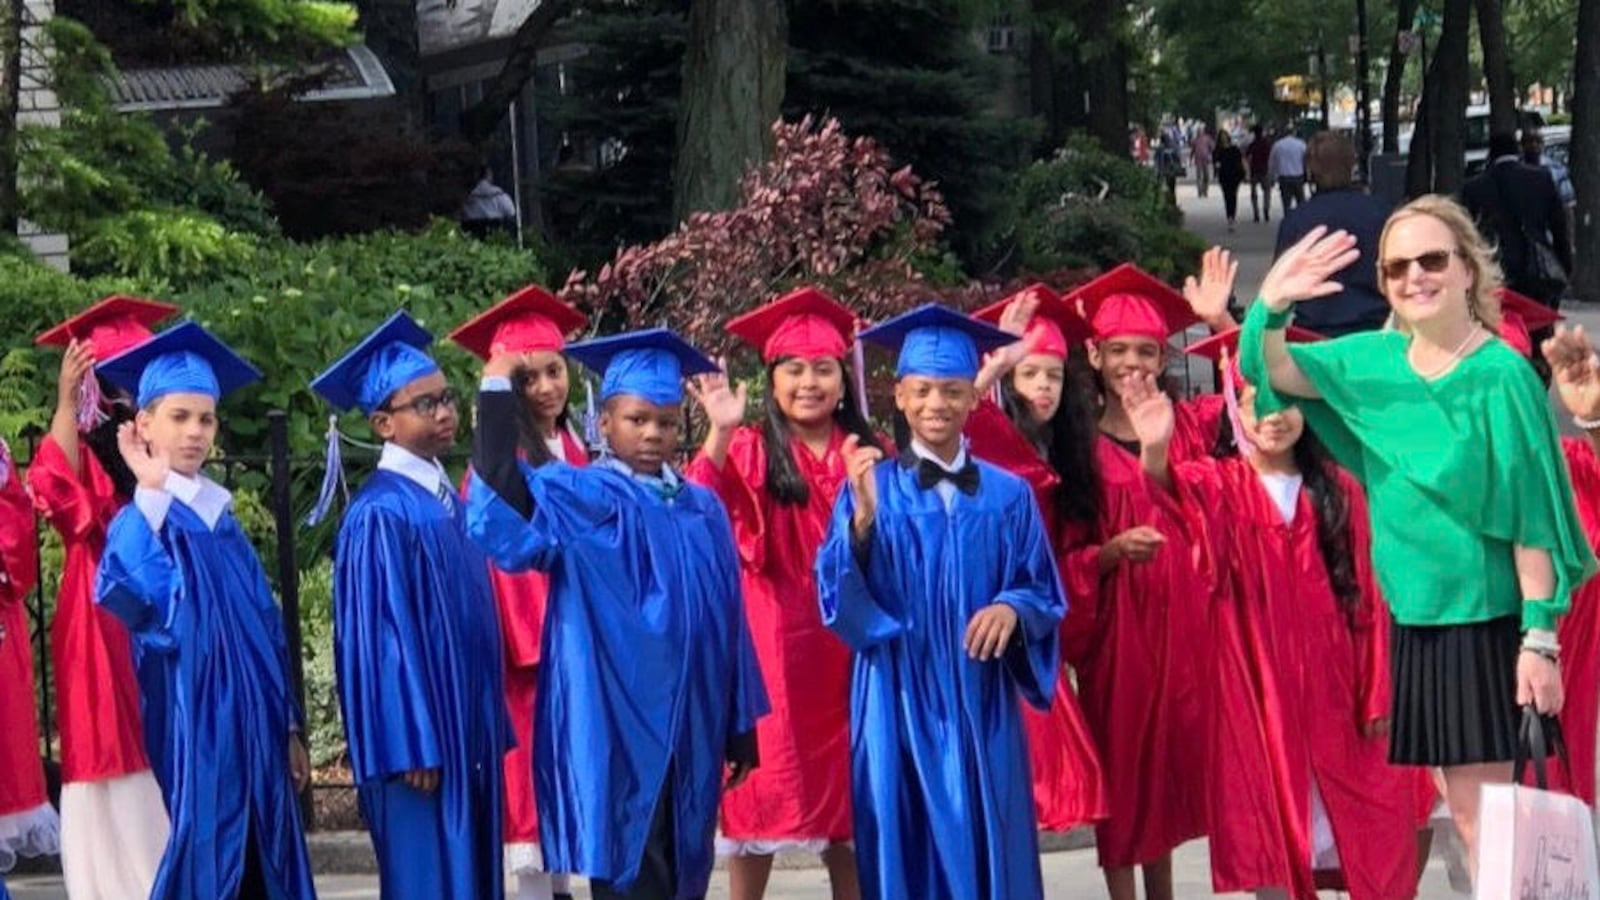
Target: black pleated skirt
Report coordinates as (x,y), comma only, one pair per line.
(1454,693)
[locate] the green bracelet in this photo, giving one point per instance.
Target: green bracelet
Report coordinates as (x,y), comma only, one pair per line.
(1276,321)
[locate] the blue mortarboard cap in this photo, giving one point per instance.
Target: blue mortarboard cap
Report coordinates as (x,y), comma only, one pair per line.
(385,361)
(184,359)
(649,364)
(937,342)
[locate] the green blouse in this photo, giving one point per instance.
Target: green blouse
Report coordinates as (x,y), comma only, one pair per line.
(1458,470)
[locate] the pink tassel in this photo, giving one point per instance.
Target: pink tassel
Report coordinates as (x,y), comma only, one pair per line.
(858,359)
(1230,396)
(89,412)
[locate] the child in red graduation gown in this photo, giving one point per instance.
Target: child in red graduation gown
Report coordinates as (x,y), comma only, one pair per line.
(533,325)
(1043,432)
(113,821)
(1138,600)
(28,824)
(779,481)
(1300,779)
(1574,374)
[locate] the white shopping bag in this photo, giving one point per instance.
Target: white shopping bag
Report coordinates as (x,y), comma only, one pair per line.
(1534,844)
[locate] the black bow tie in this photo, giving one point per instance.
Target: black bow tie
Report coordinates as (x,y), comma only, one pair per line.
(930,473)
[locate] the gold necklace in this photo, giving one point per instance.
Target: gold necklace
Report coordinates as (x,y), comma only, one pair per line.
(1451,360)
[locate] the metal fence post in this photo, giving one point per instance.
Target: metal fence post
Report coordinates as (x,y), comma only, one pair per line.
(288,570)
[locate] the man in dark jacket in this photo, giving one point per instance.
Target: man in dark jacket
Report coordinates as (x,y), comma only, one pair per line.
(1516,206)
(1340,205)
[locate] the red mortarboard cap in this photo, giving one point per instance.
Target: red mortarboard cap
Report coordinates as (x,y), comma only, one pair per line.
(805,323)
(531,319)
(1055,321)
(1520,316)
(1213,347)
(1129,301)
(110,326)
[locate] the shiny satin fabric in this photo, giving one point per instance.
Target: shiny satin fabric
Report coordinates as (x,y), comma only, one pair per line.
(97,695)
(647,663)
(942,795)
(1579,636)
(1296,680)
(22,787)
(417,651)
(212,656)
(801,792)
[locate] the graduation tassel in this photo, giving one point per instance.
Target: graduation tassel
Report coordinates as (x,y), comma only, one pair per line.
(858,358)
(1230,396)
(89,412)
(5,463)
(332,476)
(591,419)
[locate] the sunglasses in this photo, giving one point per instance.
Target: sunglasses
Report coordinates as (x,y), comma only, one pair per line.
(1433,262)
(427,405)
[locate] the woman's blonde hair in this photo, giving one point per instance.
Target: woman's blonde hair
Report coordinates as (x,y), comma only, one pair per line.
(1483,300)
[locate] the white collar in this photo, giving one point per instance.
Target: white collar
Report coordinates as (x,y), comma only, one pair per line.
(208,499)
(922,452)
(1509,157)
(425,472)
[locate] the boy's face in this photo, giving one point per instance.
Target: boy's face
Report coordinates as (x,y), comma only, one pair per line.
(420,417)
(640,433)
(183,426)
(936,409)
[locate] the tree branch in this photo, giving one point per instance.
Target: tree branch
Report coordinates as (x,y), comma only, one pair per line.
(481,120)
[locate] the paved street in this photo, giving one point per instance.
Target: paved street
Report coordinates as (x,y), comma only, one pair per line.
(1069,875)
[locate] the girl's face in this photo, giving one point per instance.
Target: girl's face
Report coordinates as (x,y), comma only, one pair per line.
(808,390)
(1272,435)
(545,387)
(1120,357)
(1424,276)
(1039,380)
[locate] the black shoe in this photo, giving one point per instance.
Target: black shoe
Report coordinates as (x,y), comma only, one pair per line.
(561,896)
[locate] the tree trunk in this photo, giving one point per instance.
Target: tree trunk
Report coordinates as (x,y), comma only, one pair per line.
(733,74)
(1394,78)
(1497,68)
(1106,76)
(389,28)
(11,15)
(1451,70)
(1585,168)
(1324,94)
(480,122)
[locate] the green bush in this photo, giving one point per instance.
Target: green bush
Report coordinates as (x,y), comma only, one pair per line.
(1087,208)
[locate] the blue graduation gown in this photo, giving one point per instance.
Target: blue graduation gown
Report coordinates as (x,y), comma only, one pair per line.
(939,770)
(647,664)
(417,650)
(211,646)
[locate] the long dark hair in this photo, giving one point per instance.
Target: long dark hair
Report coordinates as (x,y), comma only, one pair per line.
(1332,508)
(530,436)
(784,483)
(102,440)
(1068,441)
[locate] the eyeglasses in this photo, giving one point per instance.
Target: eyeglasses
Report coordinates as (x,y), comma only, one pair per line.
(428,405)
(1434,262)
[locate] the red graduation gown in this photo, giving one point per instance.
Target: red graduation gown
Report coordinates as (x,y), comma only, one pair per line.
(1142,676)
(1294,682)
(22,785)
(520,598)
(97,694)
(801,790)
(1579,636)
(1068,785)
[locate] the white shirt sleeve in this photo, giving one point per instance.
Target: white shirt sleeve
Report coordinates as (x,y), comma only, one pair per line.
(154,505)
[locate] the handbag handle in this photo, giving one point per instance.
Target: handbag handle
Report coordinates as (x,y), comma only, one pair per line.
(1538,737)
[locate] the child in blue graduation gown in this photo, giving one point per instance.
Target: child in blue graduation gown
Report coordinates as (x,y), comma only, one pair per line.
(650,680)
(181,574)
(416,638)
(938,572)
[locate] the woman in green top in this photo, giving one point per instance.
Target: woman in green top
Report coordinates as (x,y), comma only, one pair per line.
(1476,542)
